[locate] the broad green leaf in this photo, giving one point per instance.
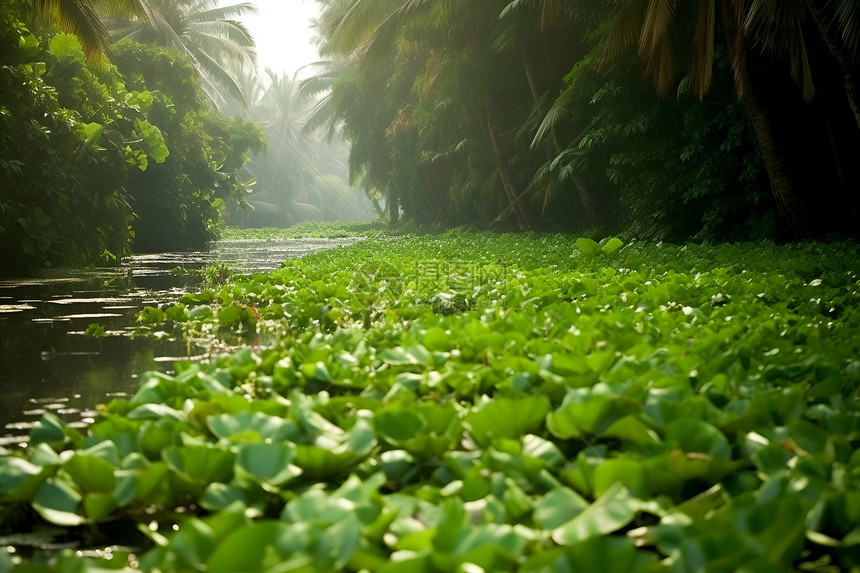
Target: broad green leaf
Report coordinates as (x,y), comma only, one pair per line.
(612,245)
(507,418)
(28,46)
(91,474)
(268,462)
(625,471)
(66,46)
(201,464)
(248,548)
(398,424)
(58,503)
(610,512)
(698,436)
(98,506)
(48,430)
(20,479)
(251,426)
(588,246)
(558,507)
(604,554)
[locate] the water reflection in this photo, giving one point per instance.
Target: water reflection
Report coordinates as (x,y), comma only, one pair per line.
(47,363)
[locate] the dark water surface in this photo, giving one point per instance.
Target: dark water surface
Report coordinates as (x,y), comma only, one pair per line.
(48,364)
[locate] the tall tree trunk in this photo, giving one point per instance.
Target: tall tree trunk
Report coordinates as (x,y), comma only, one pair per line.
(393,207)
(849,65)
(786,184)
(528,66)
(524,220)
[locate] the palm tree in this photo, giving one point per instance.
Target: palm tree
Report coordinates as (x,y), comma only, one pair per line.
(207,33)
(81,18)
(371,33)
(779,26)
(658,27)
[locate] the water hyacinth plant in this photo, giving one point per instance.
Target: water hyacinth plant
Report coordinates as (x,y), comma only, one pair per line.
(479,402)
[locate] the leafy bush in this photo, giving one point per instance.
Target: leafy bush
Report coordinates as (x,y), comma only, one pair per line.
(68,138)
(180,203)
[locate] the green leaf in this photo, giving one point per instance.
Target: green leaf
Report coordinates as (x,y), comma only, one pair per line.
(150,315)
(604,554)
(90,133)
(91,474)
(612,245)
(268,462)
(58,503)
(28,46)
(202,464)
(156,148)
(610,512)
(558,507)
(20,479)
(98,506)
(246,548)
(588,246)
(48,430)
(398,425)
(507,418)
(699,436)
(66,46)
(251,426)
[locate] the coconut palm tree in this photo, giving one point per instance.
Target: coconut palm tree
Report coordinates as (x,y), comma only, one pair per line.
(207,33)
(778,25)
(82,18)
(658,29)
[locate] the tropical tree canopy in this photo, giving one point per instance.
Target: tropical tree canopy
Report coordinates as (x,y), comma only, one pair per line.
(82,18)
(534,112)
(204,31)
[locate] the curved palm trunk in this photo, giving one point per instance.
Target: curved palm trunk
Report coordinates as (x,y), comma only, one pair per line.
(786,184)
(847,63)
(524,220)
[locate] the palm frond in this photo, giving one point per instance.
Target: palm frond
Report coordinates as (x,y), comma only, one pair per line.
(655,28)
(78,18)
(224,12)
(625,28)
(219,74)
(846,17)
(703,47)
(777,26)
(360,21)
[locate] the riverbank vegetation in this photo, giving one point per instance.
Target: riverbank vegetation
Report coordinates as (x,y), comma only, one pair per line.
(99,160)
(535,114)
(468,400)
(148,150)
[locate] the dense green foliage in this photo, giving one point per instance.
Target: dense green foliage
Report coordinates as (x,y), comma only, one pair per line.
(181,201)
(92,160)
(533,113)
(484,402)
(69,139)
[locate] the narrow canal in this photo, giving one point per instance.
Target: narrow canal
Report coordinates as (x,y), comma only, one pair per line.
(49,364)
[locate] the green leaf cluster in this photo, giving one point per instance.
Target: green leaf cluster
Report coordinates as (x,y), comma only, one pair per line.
(675,408)
(95,160)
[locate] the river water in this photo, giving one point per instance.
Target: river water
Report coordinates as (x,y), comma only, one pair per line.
(49,364)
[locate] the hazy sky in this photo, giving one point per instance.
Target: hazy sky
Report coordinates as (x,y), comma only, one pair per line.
(282,34)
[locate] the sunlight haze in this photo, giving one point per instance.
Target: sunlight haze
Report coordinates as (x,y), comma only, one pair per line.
(282,32)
